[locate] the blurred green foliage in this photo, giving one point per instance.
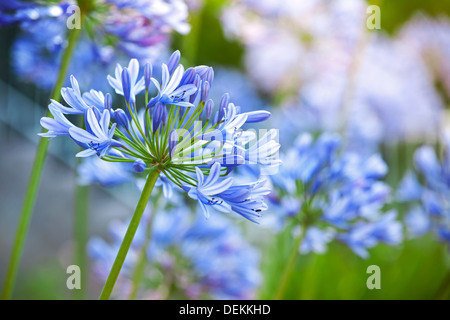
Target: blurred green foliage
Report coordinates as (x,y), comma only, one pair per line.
(414,270)
(394,13)
(206,43)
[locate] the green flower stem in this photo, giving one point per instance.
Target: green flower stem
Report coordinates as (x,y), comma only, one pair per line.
(36,172)
(81,235)
(140,267)
(289,267)
(129,235)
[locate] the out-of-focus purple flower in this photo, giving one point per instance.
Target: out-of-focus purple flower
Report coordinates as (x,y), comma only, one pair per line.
(429,39)
(14,11)
(93,170)
(316,240)
(342,195)
(409,188)
(365,235)
(140,29)
(429,198)
(417,221)
(220,264)
(332,86)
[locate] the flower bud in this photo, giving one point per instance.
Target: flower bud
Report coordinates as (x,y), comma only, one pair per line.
(173,61)
(139,165)
(126,84)
(209,108)
(205,91)
(108,102)
(121,118)
(148,70)
(188,77)
(173,141)
(157,116)
(257,116)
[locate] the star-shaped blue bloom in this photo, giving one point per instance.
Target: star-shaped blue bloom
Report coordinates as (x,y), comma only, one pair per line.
(207,189)
(134,86)
(170,91)
(99,138)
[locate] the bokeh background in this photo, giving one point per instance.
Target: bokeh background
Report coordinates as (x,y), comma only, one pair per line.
(317,67)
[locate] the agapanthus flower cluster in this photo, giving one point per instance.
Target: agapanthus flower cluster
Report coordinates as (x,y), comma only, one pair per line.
(187,257)
(117,30)
(175,133)
(354,80)
(427,192)
(335,195)
(15,11)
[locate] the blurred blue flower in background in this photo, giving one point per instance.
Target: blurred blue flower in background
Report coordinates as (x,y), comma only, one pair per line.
(239,86)
(427,191)
(200,259)
(14,11)
(127,29)
(340,196)
(93,170)
(353,81)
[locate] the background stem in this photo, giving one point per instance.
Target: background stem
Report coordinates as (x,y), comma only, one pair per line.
(289,267)
(36,172)
(129,235)
(81,235)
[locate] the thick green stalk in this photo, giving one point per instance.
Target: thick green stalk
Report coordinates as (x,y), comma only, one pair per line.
(36,172)
(129,235)
(289,267)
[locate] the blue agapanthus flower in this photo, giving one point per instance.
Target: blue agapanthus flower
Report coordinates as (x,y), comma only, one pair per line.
(202,259)
(121,29)
(99,139)
(93,170)
(189,145)
(13,11)
(427,191)
(335,195)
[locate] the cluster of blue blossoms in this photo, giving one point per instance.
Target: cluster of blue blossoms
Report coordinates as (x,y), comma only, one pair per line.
(201,259)
(335,195)
(427,191)
(121,29)
(177,133)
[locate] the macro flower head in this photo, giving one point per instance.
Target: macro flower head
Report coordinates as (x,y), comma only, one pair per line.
(176,133)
